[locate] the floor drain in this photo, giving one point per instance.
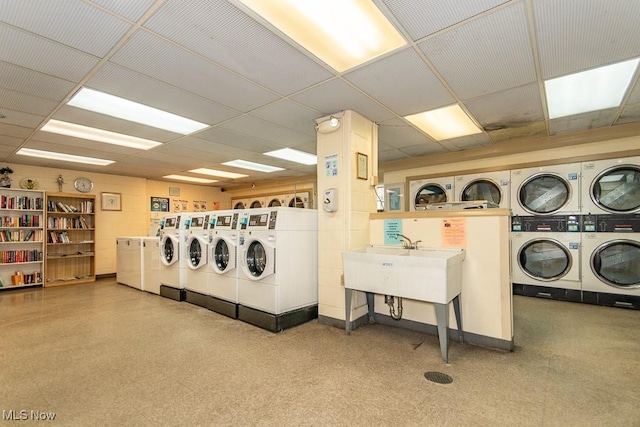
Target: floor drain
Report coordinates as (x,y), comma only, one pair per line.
(438,377)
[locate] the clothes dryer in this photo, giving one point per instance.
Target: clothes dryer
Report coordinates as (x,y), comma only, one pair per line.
(611,186)
(172,265)
(223,262)
(611,260)
(545,256)
(301,200)
(546,190)
(278,279)
(276,201)
(196,257)
(240,204)
(256,202)
(494,187)
(430,190)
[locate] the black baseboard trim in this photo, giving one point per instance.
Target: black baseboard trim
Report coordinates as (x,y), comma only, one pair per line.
(105,276)
(547,292)
(196,298)
(223,307)
(277,322)
(172,293)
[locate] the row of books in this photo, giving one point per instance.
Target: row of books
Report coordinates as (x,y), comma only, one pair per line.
(86,206)
(21,235)
(27,220)
(10,257)
(79,222)
(22,278)
(59,237)
(21,202)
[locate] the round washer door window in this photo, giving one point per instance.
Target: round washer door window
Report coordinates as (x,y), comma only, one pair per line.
(481,189)
(221,255)
(256,259)
(296,203)
(544,194)
(195,252)
(430,193)
(544,259)
(274,203)
(617,189)
(255,204)
(617,263)
(238,205)
(168,250)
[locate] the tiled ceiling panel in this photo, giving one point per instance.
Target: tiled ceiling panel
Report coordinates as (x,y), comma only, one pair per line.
(290,115)
(391,155)
(422,150)
(398,134)
(19,118)
(262,129)
(418,90)
(630,114)
(575,35)
(14,130)
(421,18)
(132,10)
(80,146)
(33,83)
(185,70)
(634,96)
(67,22)
(486,55)
(208,151)
(336,95)
(222,33)
(246,142)
(26,103)
(43,55)
(9,143)
(467,142)
(583,121)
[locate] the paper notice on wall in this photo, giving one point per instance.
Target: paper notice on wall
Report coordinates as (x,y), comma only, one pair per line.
(454,232)
(331,165)
(180,205)
(199,206)
(392,227)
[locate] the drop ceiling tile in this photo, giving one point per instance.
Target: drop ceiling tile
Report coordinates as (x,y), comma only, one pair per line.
(147,54)
(581,122)
(337,95)
(398,134)
(467,142)
(13,130)
(111,151)
(486,55)
(421,18)
(529,130)
(422,150)
(290,115)
(226,35)
(18,118)
(634,96)
(510,108)
(43,55)
(403,82)
(9,143)
(630,114)
(214,151)
(574,35)
(26,103)
(224,136)
(391,155)
(173,163)
(263,129)
(307,147)
(67,22)
(33,83)
(132,10)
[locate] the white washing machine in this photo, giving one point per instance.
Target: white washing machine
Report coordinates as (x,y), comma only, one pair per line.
(278,278)
(223,262)
(300,199)
(172,262)
(430,190)
(196,257)
(545,256)
(494,187)
(138,262)
(611,260)
(276,201)
(611,186)
(546,190)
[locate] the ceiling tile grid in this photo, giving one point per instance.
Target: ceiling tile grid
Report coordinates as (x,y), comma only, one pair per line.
(290,115)
(584,121)
(26,103)
(630,114)
(131,10)
(262,129)
(27,120)
(34,83)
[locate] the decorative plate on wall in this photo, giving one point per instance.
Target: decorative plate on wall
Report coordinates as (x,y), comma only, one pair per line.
(29,184)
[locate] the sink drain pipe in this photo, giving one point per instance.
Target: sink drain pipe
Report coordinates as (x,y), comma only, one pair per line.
(390,300)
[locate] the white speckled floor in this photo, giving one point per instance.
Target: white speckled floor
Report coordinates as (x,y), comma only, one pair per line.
(106,354)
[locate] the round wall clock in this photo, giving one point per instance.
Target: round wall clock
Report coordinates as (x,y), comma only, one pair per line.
(83,185)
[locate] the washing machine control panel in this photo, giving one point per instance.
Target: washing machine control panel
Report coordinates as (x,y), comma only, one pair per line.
(555,223)
(610,223)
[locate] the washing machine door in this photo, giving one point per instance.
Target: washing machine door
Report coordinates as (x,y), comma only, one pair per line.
(169,250)
(544,259)
(296,202)
(482,189)
(429,193)
(238,205)
(274,202)
(258,259)
(223,255)
(617,189)
(617,263)
(544,193)
(196,252)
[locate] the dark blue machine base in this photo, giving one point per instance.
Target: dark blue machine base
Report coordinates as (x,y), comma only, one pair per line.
(598,298)
(172,293)
(277,322)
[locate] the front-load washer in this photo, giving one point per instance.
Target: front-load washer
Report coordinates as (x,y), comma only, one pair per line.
(196,258)
(172,265)
(223,263)
(430,190)
(546,190)
(278,278)
(494,187)
(611,186)
(611,260)
(300,199)
(545,256)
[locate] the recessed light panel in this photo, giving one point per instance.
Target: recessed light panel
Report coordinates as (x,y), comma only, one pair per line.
(93,134)
(342,33)
(110,105)
(63,157)
(221,174)
(294,156)
(190,179)
(445,123)
(244,164)
(591,90)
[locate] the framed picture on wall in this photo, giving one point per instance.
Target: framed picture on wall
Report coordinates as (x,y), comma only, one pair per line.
(362,165)
(111,201)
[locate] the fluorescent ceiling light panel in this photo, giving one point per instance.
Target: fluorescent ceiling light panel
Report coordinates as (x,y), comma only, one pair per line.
(221,174)
(190,178)
(445,123)
(110,105)
(63,157)
(244,164)
(93,134)
(342,33)
(589,90)
(294,156)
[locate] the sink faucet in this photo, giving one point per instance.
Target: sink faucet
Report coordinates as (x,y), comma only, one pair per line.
(408,244)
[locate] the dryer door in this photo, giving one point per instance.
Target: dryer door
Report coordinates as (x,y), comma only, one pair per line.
(617,189)
(617,263)
(238,205)
(258,260)
(169,250)
(196,252)
(482,189)
(223,255)
(429,193)
(544,259)
(544,193)
(275,202)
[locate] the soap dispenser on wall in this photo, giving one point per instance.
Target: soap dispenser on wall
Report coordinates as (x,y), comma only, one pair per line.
(330,200)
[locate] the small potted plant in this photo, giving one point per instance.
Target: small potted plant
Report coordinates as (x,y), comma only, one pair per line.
(5,180)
